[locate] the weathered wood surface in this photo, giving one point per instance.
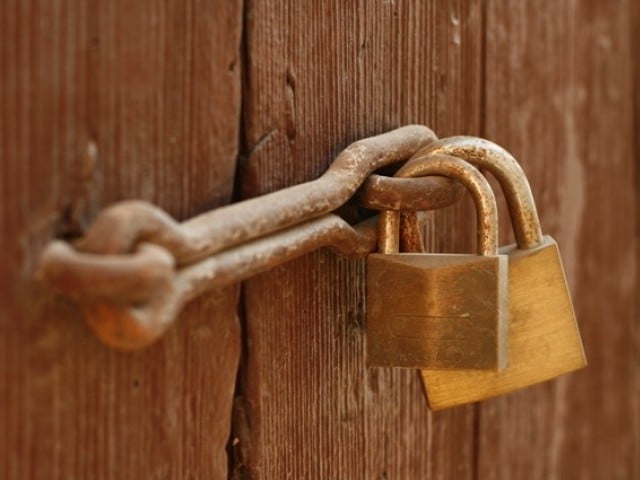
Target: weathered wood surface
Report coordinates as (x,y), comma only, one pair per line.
(551,81)
(112,100)
(320,75)
(559,95)
(102,101)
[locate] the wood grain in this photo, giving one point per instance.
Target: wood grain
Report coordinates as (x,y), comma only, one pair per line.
(320,75)
(634,46)
(559,97)
(103,101)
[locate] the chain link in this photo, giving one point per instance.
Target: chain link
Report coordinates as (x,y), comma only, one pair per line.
(136,266)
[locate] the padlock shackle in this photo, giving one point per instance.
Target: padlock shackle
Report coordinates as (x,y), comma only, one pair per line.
(467,175)
(503,166)
(389,231)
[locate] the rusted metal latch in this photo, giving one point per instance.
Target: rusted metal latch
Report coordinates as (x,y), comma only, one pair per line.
(136,267)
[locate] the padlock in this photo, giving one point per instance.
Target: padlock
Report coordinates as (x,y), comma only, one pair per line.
(442,311)
(543,340)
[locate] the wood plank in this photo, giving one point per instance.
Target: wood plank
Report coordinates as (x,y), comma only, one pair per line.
(106,101)
(320,75)
(558,96)
(634,20)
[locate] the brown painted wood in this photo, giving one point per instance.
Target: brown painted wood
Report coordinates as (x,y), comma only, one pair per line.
(559,97)
(320,75)
(102,101)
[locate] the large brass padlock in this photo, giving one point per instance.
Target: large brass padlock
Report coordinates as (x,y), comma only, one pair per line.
(439,311)
(543,340)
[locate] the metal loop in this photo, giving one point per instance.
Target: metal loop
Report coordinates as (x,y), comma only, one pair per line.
(470,177)
(120,227)
(504,167)
(130,300)
(130,277)
(379,192)
(136,266)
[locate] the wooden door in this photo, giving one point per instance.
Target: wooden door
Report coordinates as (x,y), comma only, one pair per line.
(191,105)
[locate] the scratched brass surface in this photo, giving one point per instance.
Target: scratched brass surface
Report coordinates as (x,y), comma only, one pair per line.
(438,310)
(544,340)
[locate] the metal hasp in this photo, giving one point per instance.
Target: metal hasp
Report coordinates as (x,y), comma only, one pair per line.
(119,228)
(136,267)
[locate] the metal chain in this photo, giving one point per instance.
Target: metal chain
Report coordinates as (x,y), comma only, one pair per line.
(119,228)
(136,266)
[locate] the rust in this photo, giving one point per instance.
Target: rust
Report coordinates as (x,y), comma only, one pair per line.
(470,177)
(410,237)
(136,266)
(379,192)
(133,277)
(131,299)
(504,167)
(389,232)
(118,228)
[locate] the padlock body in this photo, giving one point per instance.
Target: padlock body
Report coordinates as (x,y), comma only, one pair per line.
(437,311)
(543,339)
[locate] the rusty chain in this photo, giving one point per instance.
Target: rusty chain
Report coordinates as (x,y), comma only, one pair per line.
(119,228)
(136,267)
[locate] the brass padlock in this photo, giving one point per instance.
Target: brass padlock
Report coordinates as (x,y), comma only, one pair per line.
(439,310)
(543,340)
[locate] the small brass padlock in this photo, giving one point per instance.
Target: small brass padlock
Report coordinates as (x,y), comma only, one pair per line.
(543,340)
(439,310)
